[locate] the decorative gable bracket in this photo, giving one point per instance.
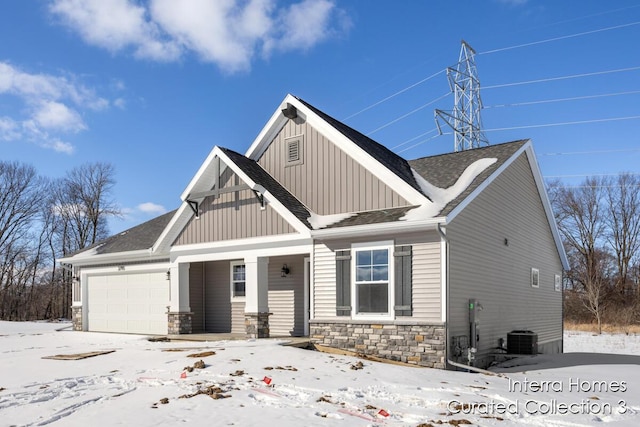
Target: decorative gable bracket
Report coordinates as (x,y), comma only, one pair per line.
(193,200)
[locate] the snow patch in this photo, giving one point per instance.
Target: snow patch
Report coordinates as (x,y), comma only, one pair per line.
(440,197)
(321,221)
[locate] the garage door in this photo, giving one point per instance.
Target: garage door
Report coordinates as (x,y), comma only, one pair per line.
(129,303)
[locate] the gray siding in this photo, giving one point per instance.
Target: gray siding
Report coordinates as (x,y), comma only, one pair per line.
(196,296)
(482,266)
(426,279)
(286,297)
(221,315)
(327,180)
(235,215)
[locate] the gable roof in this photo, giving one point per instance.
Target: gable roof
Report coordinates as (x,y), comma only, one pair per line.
(384,164)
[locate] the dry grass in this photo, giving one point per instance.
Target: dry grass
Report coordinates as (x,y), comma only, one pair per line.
(592,327)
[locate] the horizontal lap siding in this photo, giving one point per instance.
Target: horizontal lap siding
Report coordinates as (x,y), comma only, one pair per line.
(324,282)
(196,296)
(427,283)
(482,266)
(286,296)
(426,279)
(328,181)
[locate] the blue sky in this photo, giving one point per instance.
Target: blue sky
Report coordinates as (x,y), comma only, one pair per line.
(151,86)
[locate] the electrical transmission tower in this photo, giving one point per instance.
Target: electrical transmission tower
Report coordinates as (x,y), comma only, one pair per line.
(465,117)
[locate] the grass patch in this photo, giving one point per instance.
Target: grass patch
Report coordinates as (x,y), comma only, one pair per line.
(608,328)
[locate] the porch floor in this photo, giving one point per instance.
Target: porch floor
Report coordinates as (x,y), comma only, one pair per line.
(292,341)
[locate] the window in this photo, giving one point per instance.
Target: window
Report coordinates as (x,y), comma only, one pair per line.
(293,147)
(372,283)
(535,278)
(238,280)
(557,280)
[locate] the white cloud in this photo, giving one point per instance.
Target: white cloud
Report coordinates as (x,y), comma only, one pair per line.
(51,106)
(228,33)
(115,25)
(56,116)
(151,208)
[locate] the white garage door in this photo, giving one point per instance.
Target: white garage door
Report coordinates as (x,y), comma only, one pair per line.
(130,303)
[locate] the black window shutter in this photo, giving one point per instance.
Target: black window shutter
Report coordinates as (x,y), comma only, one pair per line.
(343,283)
(403,291)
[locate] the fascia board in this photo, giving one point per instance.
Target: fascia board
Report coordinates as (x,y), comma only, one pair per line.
(377,229)
(546,203)
(294,243)
(270,130)
(138,255)
(170,232)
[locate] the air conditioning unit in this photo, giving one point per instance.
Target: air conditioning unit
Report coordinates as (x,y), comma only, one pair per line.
(522,342)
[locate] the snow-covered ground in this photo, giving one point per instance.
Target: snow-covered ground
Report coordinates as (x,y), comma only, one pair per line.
(145,383)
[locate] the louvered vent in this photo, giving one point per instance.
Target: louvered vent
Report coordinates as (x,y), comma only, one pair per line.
(294,151)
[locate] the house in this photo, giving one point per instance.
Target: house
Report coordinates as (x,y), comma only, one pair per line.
(319,231)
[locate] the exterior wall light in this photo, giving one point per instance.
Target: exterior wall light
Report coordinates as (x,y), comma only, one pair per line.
(284,271)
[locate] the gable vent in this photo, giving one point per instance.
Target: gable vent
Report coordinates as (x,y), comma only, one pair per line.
(294,151)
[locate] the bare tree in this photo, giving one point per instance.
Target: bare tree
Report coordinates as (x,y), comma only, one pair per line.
(21,190)
(582,222)
(623,203)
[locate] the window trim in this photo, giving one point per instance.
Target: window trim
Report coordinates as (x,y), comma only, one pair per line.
(535,277)
(233,297)
(557,282)
(355,248)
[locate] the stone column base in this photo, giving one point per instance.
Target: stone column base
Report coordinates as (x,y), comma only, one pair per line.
(76,317)
(257,325)
(179,323)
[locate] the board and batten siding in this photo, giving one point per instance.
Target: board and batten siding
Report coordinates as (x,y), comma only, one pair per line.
(230,216)
(327,181)
(286,297)
(494,243)
(426,278)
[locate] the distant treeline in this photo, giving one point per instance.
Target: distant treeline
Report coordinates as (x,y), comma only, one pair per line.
(41,220)
(599,221)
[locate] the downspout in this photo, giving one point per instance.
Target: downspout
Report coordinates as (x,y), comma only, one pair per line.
(444,237)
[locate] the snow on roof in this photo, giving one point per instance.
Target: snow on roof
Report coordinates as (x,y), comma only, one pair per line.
(440,197)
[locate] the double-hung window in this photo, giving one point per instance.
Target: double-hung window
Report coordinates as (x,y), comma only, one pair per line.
(372,286)
(238,280)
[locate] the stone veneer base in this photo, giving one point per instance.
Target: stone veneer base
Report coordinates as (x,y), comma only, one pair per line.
(76,317)
(179,323)
(413,343)
(257,325)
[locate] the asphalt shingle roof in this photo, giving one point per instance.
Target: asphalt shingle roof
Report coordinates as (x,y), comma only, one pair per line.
(142,236)
(444,170)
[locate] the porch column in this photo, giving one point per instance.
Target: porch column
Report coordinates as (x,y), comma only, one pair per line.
(256,310)
(179,310)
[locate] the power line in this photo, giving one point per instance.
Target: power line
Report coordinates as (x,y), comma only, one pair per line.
(407,114)
(574,98)
(619,70)
(564,123)
(588,174)
(414,138)
(375,104)
(570,153)
(559,38)
(422,142)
